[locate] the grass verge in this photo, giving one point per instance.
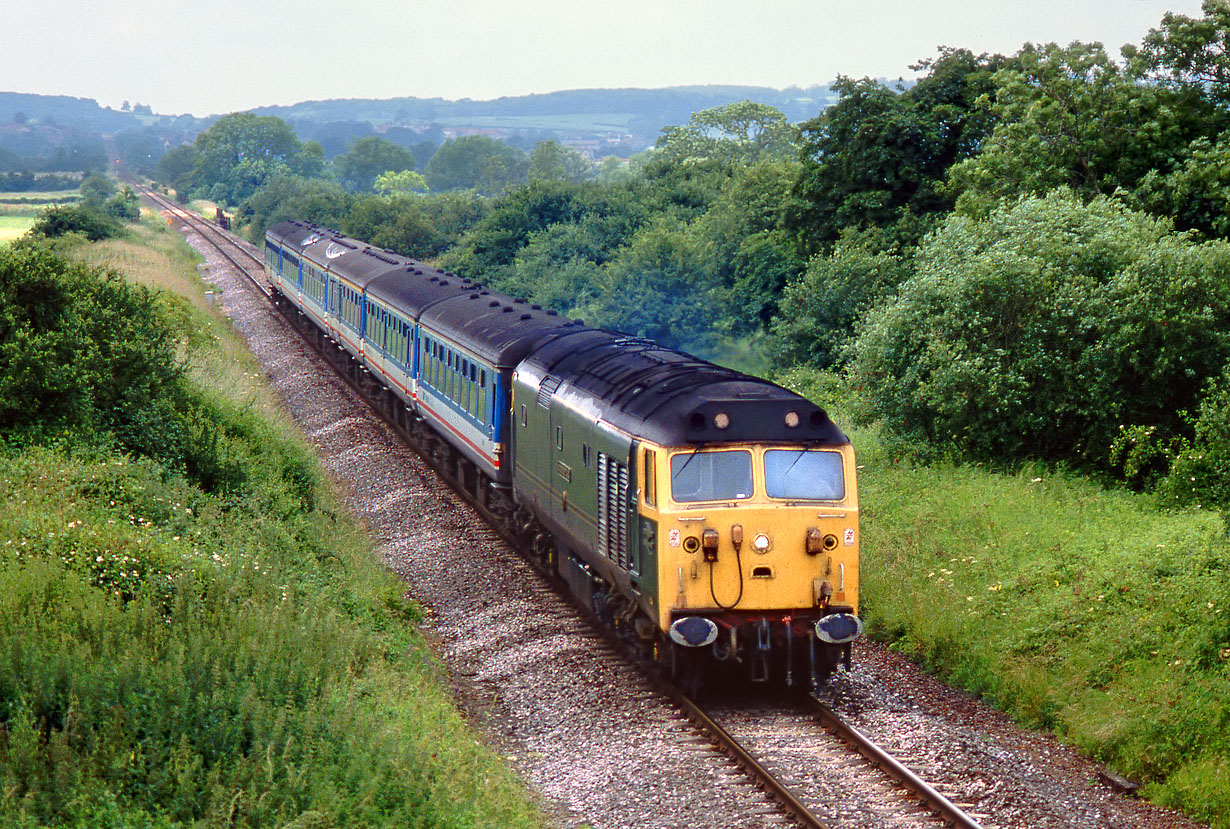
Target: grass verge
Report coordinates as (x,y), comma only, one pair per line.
(231,655)
(1086,611)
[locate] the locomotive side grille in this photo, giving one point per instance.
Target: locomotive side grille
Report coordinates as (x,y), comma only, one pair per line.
(612,520)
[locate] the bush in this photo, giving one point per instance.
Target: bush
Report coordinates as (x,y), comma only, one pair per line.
(818,312)
(94,225)
(1201,468)
(1047,329)
(79,347)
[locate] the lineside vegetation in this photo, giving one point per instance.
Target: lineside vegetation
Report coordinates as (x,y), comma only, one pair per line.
(194,632)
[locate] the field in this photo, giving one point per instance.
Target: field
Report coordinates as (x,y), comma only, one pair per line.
(19,210)
(1082,610)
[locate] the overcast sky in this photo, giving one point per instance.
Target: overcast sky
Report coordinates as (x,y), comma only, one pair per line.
(238,54)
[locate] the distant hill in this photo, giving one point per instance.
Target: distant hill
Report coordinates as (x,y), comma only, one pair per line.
(61,110)
(631,117)
(598,121)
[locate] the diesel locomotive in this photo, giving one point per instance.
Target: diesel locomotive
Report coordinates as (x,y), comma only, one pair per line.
(709,516)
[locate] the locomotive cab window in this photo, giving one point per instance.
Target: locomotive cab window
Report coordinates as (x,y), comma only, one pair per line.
(804,475)
(711,476)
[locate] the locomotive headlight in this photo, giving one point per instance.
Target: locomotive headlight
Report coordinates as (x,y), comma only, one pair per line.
(721,420)
(792,419)
(761,543)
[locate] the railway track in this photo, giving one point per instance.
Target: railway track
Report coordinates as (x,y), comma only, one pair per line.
(754,743)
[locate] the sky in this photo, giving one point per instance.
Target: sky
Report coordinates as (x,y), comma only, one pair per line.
(239,54)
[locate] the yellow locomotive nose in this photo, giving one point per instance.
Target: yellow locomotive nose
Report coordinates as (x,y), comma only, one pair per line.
(757,568)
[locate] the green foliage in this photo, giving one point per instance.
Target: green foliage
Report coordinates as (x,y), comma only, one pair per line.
(1200,472)
(651,290)
(1083,611)
(292,197)
(398,223)
(170,662)
(476,162)
(492,245)
(210,648)
(175,168)
(93,224)
(455,212)
(1072,117)
(879,155)
(140,150)
(367,158)
(1191,54)
(400,183)
(1040,331)
(242,151)
(551,161)
(1196,194)
(87,357)
(27,182)
(744,132)
(124,205)
(819,311)
(96,189)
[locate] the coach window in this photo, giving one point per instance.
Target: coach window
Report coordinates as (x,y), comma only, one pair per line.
(482,396)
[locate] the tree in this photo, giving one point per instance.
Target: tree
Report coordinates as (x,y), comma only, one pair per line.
(478,162)
(651,290)
(240,152)
(367,158)
(406,181)
(744,131)
(139,150)
(10,161)
(1071,116)
(175,168)
(1197,193)
(1191,54)
(96,189)
(124,205)
(294,197)
(398,223)
(879,155)
(89,222)
(740,247)
(550,161)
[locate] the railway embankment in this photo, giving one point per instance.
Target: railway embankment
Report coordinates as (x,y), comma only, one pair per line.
(193,629)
